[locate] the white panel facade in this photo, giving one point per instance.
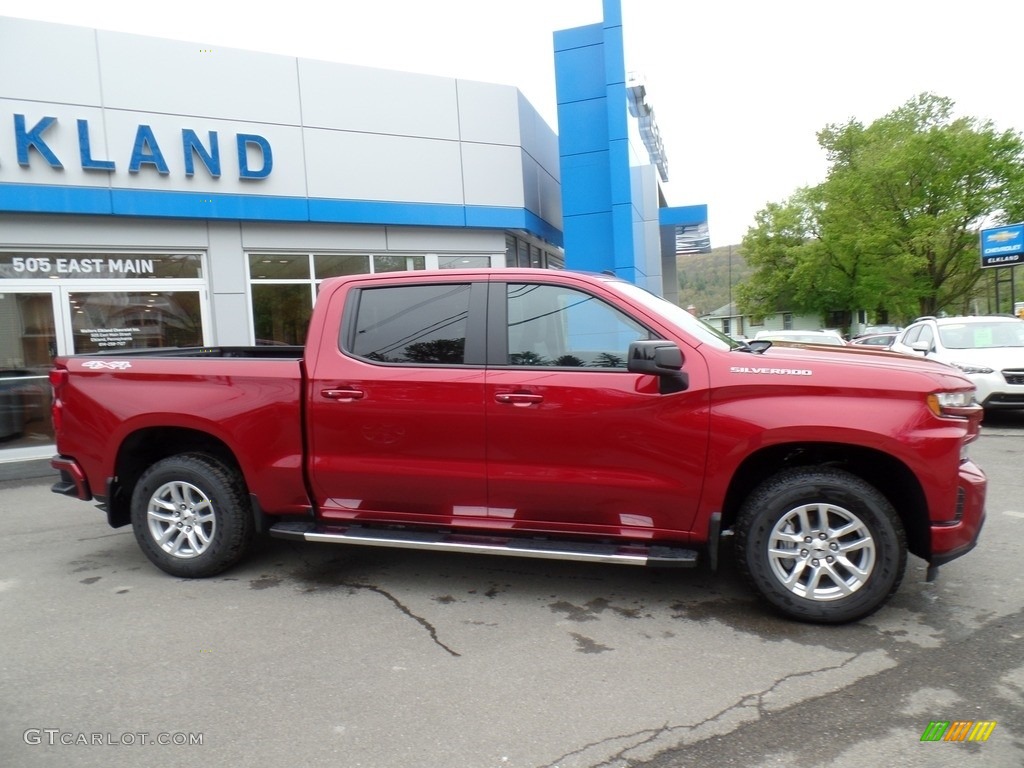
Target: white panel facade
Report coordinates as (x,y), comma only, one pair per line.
(27,72)
(419,240)
(493,175)
(489,114)
(550,208)
(337,132)
(646,228)
(287,177)
(226,262)
(95,232)
(363,99)
(232,320)
(155,75)
(112,137)
(62,139)
(367,166)
(536,136)
(258,235)
(531,182)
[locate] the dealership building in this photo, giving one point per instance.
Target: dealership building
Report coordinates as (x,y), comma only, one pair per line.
(155,193)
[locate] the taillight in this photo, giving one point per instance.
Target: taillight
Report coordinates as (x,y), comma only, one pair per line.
(58,378)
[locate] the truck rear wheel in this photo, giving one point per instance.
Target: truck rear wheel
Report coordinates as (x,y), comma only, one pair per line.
(191,516)
(821,545)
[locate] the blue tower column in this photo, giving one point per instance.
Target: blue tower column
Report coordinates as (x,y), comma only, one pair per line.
(590,85)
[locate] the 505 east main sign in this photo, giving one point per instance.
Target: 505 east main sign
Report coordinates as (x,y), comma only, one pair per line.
(254,153)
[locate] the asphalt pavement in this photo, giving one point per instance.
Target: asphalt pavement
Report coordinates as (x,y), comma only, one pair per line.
(317,655)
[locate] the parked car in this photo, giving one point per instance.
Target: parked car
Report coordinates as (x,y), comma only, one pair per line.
(832,338)
(24,398)
(871,330)
(988,349)
(876,340)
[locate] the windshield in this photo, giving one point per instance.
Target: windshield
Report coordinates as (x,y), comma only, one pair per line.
(984,335)
(675,314)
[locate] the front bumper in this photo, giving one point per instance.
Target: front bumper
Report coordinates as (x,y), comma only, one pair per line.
(954,539)
(998,390)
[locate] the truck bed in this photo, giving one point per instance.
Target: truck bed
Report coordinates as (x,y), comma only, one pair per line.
(262,352)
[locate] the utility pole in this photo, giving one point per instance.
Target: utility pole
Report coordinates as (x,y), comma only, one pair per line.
(730,278)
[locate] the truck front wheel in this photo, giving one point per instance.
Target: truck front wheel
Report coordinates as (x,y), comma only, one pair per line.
(190,515)
(821,545)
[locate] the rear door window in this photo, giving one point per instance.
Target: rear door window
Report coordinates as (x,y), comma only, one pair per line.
(412,324)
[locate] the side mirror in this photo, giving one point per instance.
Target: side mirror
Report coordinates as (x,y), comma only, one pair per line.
(657,357)
(924,347)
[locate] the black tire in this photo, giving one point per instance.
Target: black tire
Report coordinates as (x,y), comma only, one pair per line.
(191,516)
(841,548)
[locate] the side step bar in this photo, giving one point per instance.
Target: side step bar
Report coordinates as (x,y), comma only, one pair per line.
(450,541)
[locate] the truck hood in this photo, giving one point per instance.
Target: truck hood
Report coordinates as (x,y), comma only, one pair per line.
(812,360)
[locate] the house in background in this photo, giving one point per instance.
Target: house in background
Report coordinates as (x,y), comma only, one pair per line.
(730,321)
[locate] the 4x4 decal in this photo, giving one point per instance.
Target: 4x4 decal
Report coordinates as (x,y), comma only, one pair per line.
(116,365)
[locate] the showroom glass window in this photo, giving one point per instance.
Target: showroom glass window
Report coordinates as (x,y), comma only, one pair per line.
(520,253)
(284,287)
(120,300)
(135,318)
(66,302)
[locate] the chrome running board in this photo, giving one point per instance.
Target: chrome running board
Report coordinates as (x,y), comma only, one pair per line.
(450,541)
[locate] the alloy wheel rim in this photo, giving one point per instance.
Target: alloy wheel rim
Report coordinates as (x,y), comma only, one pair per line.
(181,519)
(821,552)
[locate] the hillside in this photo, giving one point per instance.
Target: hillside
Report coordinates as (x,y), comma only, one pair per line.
(704,278)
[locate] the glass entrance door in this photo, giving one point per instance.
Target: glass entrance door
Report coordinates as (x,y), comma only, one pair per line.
(27,349)
(59,303)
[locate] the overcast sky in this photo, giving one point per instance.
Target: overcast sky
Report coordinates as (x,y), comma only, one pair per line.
(739,87)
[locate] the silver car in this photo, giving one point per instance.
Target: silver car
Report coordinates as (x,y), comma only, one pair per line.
(831,338)
(988,349)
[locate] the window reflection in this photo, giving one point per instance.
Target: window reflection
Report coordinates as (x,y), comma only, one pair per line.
(132,320)
(25,357)
(281,313)
(558,326)
(413,324)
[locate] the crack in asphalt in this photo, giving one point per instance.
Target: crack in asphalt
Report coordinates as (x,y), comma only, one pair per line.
(978,661)
(982,660)
(105,536)
(313,569)
(431,630)
(749,701)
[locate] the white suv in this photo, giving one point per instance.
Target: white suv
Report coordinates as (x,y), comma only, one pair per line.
(988,349)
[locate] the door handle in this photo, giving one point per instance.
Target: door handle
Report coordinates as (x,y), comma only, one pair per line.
(520,399)
(342,394)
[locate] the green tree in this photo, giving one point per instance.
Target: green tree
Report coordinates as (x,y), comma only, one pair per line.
(894,226)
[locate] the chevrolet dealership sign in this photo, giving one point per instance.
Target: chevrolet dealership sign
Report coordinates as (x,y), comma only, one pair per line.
(1002,246)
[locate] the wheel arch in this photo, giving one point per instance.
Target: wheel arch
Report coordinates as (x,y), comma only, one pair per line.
(143,448)
(889,475)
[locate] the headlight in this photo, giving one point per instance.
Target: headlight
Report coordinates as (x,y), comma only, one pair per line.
(967,368)
(953,405)
(961,406)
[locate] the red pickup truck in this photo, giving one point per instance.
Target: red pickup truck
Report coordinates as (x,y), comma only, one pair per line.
(533,413)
